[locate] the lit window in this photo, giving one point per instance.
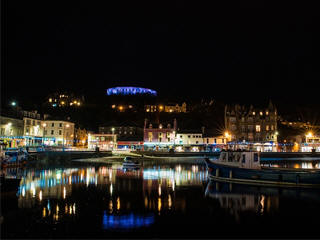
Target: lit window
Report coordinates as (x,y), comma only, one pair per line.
(267,113)
(50,99)
(258,128)
(267,128)
(261,113)
(113,106)
(272,127)
(253,113)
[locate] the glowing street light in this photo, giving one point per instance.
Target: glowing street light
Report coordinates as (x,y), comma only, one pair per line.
(309,134)
(13,103)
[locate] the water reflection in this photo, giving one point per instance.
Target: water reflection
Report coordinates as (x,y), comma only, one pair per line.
(126,221)
(55,192)
(238,199)
(261,200)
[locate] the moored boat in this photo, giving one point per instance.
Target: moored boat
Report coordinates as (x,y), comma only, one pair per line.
(128,162)
(245,167)
(14,158)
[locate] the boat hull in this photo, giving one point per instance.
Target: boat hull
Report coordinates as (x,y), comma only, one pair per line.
(292,178)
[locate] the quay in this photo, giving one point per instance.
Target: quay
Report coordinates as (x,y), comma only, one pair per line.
(66,157)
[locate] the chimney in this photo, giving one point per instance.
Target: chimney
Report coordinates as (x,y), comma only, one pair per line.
(175,124)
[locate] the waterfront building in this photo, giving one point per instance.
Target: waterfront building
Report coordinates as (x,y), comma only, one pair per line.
(11,134)
(159,135)
(58,132)
(311,143)
(252,127)
(105,142)
(215,142)
(80,137)
(188,140)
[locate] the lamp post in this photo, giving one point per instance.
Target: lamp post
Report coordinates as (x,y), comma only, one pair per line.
(44,127)
(63,135)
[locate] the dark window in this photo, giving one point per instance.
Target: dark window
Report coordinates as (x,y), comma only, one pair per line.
(243,158)
(52,132)
(60,125)
(255,157)
(52,124)
(60,132)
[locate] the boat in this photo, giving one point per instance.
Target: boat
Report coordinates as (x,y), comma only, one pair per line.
(128,162)
(244,167)
(14,158)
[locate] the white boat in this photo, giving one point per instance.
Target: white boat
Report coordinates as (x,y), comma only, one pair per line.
(128,162)
(245,167)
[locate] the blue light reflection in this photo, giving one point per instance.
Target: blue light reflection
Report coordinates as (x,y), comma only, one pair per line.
(128,221)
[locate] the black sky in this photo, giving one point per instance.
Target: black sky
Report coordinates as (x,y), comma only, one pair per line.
(241,51)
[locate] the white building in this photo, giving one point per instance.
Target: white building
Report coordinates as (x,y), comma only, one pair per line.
(189,138)
(190,141)
(57,132)
(105,142)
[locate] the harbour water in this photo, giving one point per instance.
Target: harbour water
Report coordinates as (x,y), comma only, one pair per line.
(162,199)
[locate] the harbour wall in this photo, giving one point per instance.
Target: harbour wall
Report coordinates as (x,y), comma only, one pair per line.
(62,157)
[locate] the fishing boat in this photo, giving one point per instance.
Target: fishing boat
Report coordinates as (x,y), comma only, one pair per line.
(128,162)
(244,167)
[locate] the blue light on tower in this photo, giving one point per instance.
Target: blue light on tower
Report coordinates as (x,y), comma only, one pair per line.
(130,91)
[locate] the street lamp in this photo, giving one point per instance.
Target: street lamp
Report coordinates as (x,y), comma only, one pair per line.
(63,135)
(44,126)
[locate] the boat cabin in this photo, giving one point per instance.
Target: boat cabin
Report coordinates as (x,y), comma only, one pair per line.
(240,159)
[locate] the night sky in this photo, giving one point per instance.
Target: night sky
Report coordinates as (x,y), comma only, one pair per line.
(234,51)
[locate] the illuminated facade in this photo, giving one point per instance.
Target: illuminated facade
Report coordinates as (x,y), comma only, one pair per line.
(58,132)
(105,142)
(312,141)
(11,132)
(253,126)
(159,135)
(130,91)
